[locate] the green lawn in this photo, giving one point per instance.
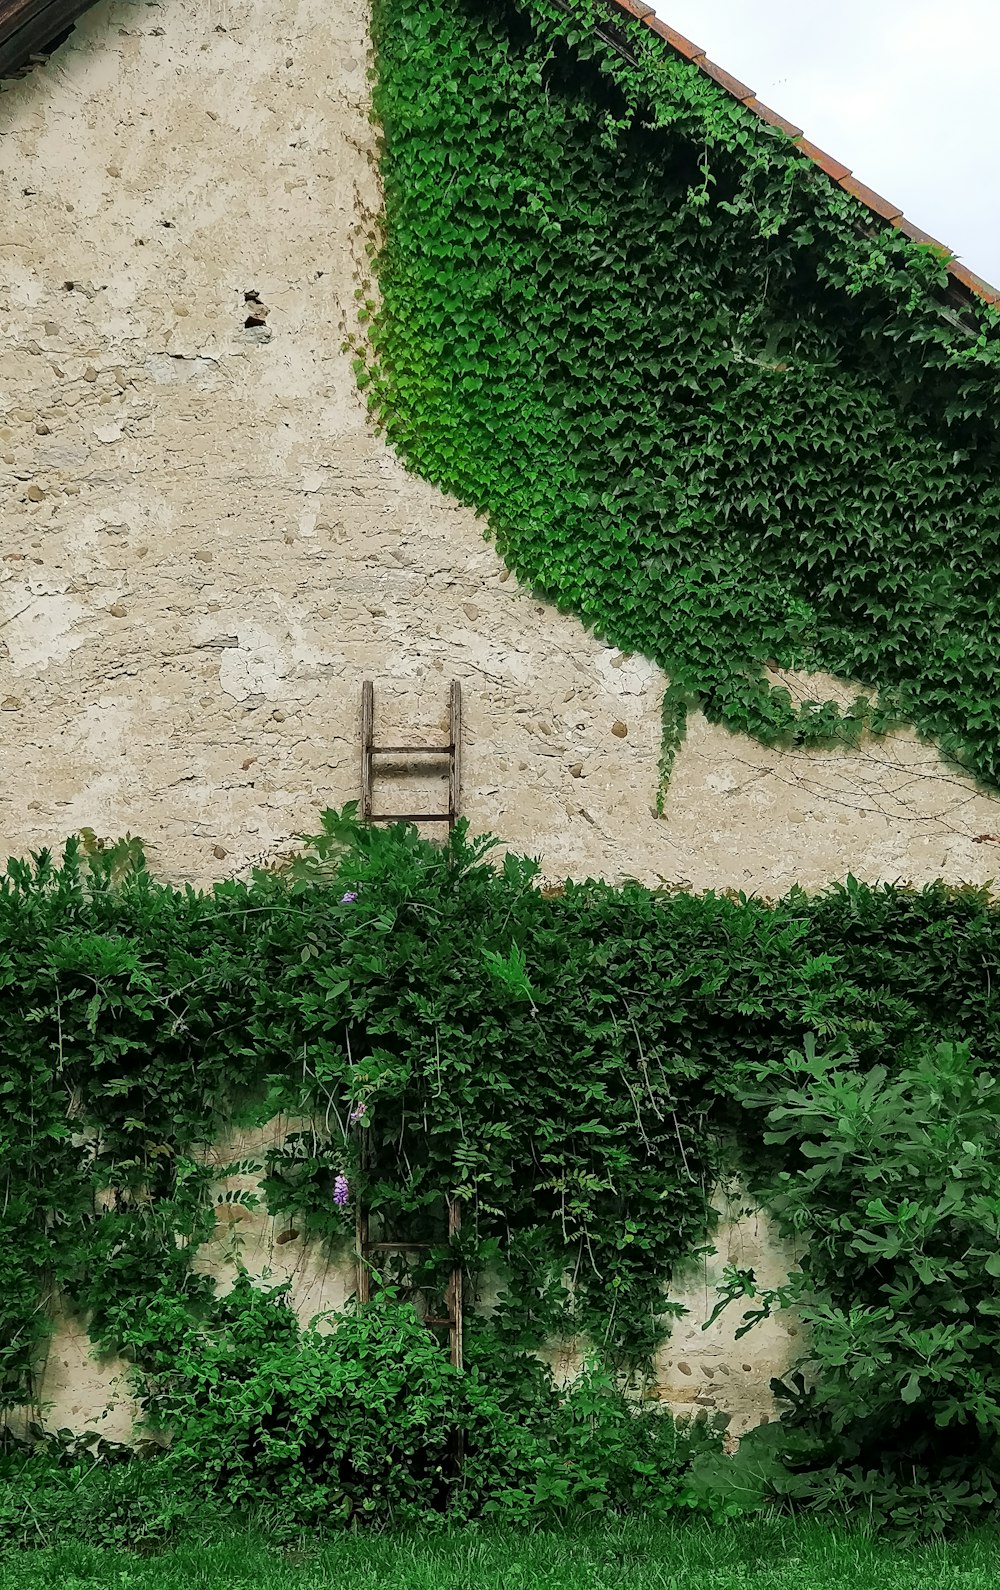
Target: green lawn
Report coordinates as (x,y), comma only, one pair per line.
(778,1555)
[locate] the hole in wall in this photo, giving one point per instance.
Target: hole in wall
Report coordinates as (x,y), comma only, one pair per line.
(56,41)
(258,310)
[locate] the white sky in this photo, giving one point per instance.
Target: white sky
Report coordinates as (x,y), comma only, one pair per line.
(905,92)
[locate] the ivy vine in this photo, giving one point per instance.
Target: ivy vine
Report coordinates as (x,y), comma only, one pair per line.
(563,1063)
(708,403)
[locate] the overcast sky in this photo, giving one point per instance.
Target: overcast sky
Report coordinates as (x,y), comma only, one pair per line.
(905,92)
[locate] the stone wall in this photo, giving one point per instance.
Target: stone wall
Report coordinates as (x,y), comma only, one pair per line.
(204,548)
(696,1372)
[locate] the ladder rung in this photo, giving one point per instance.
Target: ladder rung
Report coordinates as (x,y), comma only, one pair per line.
(411,817)
(430,1319)
(410,750)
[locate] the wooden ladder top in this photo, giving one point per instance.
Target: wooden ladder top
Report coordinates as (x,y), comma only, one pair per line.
(452,752)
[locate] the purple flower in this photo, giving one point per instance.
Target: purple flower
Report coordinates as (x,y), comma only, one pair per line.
(356,1114)
(341,1190)
(348,898)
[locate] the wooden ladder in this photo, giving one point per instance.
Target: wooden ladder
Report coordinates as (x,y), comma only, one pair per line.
(454,1293)
(365,1247)
(452,751)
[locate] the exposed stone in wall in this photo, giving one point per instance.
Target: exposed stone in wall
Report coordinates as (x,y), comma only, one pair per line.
(204,548)
(273,1249)
(77,1390)
(699,1370)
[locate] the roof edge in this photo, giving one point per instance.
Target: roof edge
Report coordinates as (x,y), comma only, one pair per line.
(966,280)
(27,27)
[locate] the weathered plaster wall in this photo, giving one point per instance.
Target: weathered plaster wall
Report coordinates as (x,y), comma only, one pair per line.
(204,548)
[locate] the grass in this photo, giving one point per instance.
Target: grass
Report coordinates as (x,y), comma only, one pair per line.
(765,1555)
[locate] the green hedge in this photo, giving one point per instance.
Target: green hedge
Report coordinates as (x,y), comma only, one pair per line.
(564,1063)
(578,1066)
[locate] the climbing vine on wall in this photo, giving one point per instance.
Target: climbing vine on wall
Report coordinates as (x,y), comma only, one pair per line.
(707,402)
(437,1025)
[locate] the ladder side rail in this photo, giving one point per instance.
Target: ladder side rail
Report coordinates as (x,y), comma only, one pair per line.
(363,1283)
(455,1288)
(362,1244)
(455,765)
(367,746)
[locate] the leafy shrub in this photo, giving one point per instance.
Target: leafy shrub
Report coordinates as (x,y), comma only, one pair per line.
(890,1185)
(362,1417)
(604,1454)
(563,1063)
(358,1420)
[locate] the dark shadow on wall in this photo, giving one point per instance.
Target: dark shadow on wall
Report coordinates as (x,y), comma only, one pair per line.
(32,30)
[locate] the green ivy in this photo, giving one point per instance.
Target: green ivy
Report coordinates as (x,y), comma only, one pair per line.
(709,404)
(563,1063)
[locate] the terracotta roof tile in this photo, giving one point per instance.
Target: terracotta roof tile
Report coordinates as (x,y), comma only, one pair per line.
(833,168)
(677,41)
(918,235)
(974,283)
(636,8)
(732,85)
(868,196)
(773,119)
